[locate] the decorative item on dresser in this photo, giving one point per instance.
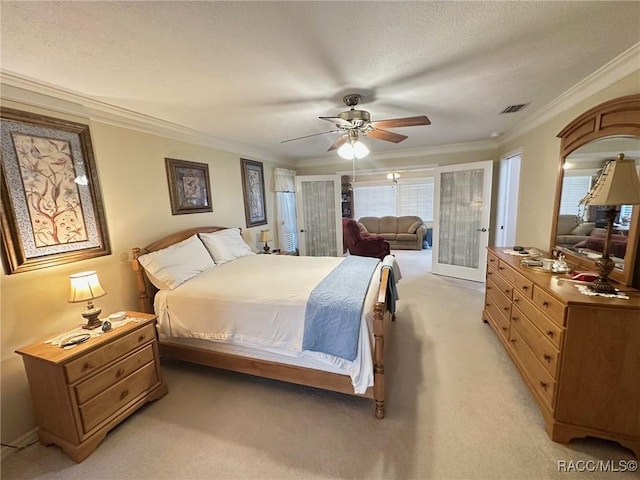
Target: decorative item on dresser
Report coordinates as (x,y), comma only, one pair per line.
(617,185)
(578,354)
(81,393)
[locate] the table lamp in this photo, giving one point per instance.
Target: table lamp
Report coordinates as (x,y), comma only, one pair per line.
(617,185)
(85,286)
(265,236)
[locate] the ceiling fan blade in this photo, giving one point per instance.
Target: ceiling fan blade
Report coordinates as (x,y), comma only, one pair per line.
(312,135)
(386,136)
(402,122)
(341,122)
(339,142)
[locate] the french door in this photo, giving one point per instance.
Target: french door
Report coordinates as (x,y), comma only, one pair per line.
(461,212)
(318,205)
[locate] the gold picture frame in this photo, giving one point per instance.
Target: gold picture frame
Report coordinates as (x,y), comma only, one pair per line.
(51,209)
(255,205)
(189,186)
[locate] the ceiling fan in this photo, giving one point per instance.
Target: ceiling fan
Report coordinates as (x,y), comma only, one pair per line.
(353,123)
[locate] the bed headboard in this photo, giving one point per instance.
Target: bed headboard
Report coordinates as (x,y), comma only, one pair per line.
(146,290)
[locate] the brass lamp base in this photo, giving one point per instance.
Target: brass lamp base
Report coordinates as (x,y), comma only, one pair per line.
(92,318)
(266,248)
(602,284)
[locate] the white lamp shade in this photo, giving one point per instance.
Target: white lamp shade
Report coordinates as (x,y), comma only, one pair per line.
(85,286)
(265,235)
(357,149)
(617,185)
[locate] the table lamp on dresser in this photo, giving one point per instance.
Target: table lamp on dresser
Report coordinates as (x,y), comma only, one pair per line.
(617,185)
(85,287)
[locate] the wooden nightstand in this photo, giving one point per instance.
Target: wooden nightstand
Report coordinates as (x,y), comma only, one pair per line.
(81,393)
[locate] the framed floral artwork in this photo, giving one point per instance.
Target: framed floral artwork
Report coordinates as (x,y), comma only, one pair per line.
(189,186)
(51,208)
(254,196)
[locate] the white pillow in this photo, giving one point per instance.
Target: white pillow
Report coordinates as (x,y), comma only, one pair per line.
(174,265)
(225,245)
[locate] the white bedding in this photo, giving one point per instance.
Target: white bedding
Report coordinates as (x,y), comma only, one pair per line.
(257,303)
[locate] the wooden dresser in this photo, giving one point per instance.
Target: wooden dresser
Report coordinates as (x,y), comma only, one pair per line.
(81,393)
(579,354)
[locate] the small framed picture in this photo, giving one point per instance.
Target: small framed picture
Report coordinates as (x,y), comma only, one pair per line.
(189,186)
(254,195)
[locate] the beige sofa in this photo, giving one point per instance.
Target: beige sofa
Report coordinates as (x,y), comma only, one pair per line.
(402,233)
(572,230)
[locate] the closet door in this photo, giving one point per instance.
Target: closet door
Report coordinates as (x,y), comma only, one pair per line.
(462,204)
(319,215)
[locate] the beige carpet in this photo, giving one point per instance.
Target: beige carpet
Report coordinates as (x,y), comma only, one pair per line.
(457,408)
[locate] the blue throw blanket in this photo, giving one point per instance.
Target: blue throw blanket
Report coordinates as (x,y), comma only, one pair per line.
(334,308)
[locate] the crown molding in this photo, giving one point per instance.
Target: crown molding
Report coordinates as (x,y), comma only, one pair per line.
(620,67)
(410,153)
(43,95)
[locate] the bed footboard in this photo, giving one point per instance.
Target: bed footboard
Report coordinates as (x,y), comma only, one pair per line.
(382,318)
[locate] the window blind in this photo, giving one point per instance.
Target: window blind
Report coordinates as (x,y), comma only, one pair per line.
(287,223)
(573,190)
(395,199)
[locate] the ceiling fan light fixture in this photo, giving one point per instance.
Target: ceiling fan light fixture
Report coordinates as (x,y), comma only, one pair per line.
(350,150)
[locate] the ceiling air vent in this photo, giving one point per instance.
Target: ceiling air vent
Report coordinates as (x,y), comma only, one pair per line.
(514,108)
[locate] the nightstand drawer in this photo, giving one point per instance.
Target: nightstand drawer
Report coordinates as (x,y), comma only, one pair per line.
(117,396)
(103,380)
(92,361)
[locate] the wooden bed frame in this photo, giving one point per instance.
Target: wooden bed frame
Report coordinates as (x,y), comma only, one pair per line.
(382,319)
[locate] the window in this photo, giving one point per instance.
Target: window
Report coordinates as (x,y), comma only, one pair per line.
(287,224)
(574,188)
(406,198)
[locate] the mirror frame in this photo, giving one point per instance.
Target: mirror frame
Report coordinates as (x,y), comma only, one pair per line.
(620,116)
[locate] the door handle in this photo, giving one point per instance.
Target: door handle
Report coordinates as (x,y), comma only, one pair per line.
(302,231)
(481,230)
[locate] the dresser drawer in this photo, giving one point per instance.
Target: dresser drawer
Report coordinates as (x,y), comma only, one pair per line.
(117,396)
(541,380)
(95,360)
(551,330)
(497,318)
(495,296)
(520,283)
(103,380)
(544,350)
(492,260)
(502,285)
(554,309)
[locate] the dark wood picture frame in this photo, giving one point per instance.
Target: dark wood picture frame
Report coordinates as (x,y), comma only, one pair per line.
(189,186)
(51,209)
(255,205)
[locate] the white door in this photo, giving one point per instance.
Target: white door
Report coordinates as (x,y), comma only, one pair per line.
(319,215)
(461,212)
(507,204)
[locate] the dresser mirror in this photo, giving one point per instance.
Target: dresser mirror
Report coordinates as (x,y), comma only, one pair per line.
(587,143)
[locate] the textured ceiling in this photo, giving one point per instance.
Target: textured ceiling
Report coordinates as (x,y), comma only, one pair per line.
(257,73)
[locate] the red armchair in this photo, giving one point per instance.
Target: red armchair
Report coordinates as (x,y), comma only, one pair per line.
(363,245)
